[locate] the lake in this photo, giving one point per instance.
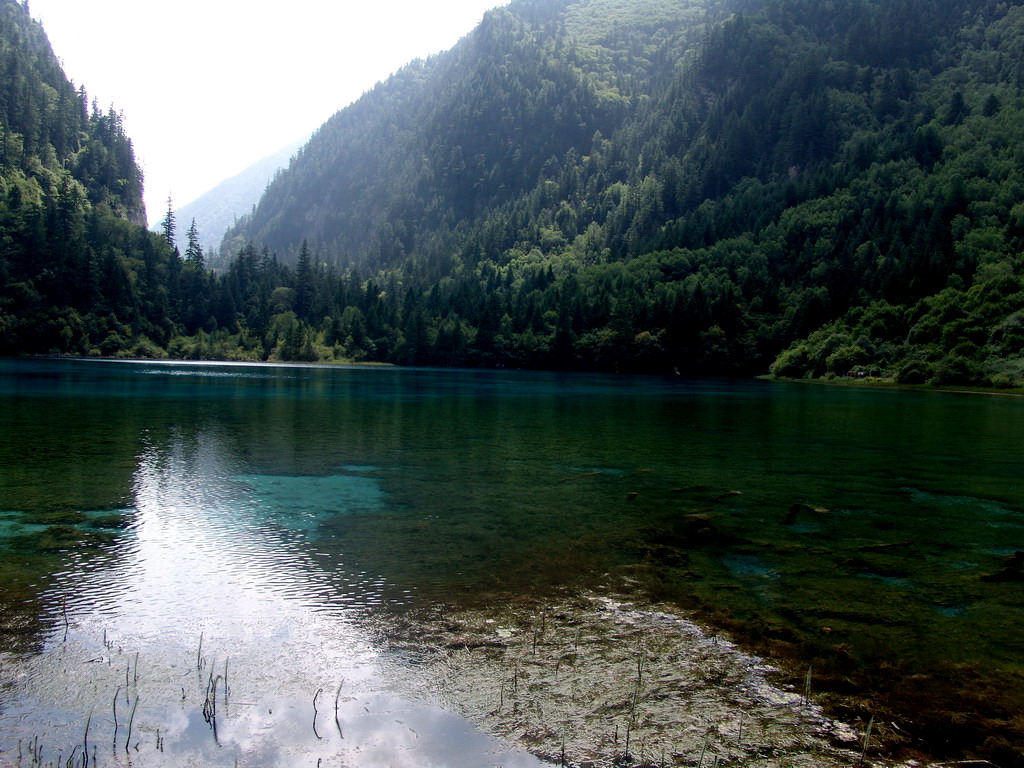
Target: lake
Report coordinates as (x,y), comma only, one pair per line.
(179,538)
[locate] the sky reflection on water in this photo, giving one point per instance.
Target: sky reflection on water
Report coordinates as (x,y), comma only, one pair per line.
(215,577)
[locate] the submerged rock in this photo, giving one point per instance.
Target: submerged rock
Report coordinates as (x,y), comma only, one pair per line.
(61,538)
(1012,569)
(796,510)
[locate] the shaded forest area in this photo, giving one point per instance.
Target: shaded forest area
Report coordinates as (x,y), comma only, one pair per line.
(78,270)
(809,188)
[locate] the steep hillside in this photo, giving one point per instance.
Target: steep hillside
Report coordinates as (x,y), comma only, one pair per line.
(446,141)
(78,271)
(656,185)
(47,125)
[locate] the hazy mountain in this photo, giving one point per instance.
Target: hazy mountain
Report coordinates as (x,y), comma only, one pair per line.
(217,210)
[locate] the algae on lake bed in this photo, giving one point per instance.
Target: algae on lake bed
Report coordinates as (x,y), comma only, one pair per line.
(591,681)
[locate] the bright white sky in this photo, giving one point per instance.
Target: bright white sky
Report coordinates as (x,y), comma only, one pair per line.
(208,87)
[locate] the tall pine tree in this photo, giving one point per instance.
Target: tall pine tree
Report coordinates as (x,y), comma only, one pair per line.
(168,224)
(194,250)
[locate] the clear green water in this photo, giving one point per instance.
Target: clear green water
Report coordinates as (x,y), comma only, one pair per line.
(271,507)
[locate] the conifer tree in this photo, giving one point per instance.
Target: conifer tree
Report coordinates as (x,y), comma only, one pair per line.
(168,223)
(304,283)
(194,250)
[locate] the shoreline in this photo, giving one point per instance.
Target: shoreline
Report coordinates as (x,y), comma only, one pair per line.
(208,361)
(890,384)
(871,382)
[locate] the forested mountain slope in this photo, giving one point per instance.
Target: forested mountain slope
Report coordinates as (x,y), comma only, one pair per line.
(732,186)
(78,271)
(656,185)
(448,139)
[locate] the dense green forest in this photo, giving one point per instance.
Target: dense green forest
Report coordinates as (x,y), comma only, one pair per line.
(78,270)
(811,188)
(734,186)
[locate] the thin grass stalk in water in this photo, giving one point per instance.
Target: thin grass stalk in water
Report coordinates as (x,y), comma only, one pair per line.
(315,712)
(867,739)
(629,731)
(641,655)
(131,720)
(210,705)
(85,741)
(116,694)
(337,696)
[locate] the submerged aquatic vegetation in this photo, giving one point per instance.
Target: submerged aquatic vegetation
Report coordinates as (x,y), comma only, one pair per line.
(54,517)
(598,682)
(61,538)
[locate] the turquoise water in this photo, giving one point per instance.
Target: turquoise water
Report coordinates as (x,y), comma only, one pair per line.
(259,506)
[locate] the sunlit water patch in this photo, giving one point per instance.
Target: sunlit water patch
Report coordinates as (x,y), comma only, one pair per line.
(216,636)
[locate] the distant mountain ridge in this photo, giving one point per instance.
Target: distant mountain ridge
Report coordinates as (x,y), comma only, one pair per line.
(219,208)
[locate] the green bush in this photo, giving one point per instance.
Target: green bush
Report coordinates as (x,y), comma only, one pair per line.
(793,363)
(955,369)
(913,372)
(846,359)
